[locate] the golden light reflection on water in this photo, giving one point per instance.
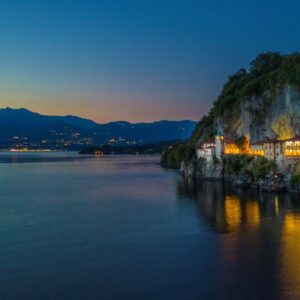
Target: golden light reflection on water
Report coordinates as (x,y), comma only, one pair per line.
(252,213)
(290,255)
(262,235)
(276,205)
(229,210)
(236,215)
(232,212)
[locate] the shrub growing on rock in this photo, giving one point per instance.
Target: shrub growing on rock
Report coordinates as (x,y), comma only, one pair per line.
(295,181)
(262,167)
(234,164)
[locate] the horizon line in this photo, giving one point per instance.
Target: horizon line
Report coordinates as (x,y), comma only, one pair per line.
(91,120)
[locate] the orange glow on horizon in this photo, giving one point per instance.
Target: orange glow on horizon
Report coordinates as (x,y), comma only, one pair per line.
(104,113)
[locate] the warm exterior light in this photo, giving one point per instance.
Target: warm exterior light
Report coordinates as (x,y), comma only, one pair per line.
(269,148)
(231,148)
(292,148)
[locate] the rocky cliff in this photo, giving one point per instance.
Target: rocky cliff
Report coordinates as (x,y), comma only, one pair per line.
(268,115)
(258,103)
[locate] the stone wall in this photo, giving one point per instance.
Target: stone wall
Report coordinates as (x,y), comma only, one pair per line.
(269,115)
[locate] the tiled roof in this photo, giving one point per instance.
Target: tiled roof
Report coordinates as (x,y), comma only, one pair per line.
(229,141)
(210,141)
(274,140)
(271,141)
(200,145)
(258,143)
(266,141)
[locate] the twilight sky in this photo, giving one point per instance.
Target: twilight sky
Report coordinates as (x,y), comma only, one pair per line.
(135,60)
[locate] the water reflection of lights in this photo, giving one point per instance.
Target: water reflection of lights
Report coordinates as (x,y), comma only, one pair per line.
(252,213)
(233,212)
(264,234)
(290,255)
(276,205)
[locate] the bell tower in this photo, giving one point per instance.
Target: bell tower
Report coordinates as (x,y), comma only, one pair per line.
(219,145)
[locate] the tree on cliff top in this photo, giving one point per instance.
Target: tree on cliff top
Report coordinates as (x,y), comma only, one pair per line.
(266,62)
(269,71)
(242,143)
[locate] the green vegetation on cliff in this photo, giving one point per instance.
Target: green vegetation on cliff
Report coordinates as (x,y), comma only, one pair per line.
(295,181)
(173,156)
(258,167)
(267,72)
(262,167)
(234,164)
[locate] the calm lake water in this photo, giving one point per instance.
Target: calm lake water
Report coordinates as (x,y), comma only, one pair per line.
(76,227)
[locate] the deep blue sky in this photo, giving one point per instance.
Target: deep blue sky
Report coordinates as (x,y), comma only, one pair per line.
(134,60)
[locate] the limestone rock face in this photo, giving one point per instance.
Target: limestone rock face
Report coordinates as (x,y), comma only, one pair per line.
(266,116)
(209,170)
(188,168)
(202,169)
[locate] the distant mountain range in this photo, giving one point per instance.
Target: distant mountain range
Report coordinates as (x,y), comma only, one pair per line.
(22,128)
